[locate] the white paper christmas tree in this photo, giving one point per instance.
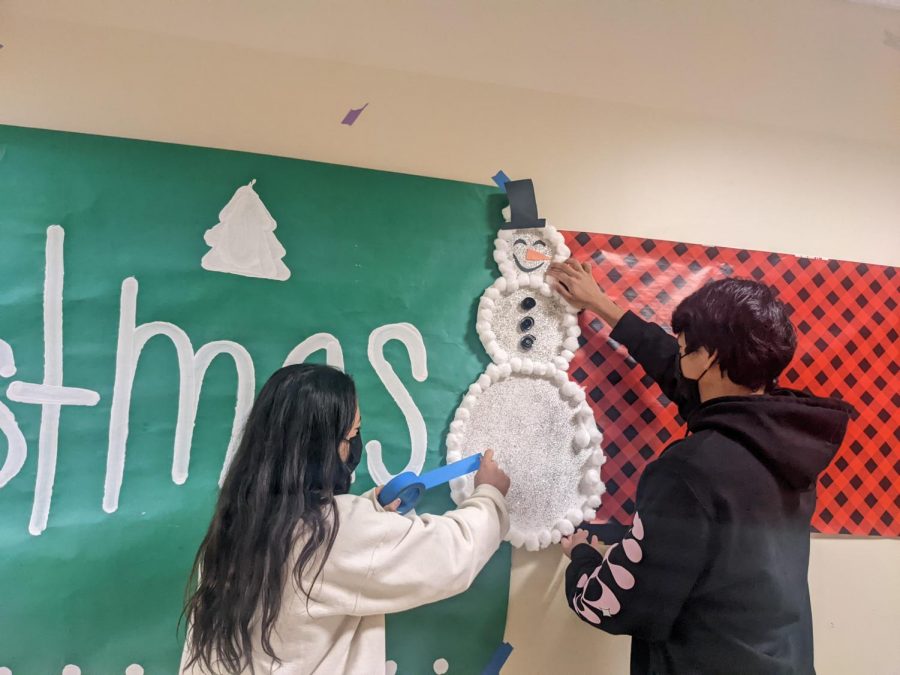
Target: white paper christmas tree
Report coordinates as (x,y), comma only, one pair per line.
(243,242)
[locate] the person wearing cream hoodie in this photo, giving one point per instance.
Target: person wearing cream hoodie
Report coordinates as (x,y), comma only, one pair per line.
(295,575)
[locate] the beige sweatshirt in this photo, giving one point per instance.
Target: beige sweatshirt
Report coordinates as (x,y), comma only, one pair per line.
(381,563)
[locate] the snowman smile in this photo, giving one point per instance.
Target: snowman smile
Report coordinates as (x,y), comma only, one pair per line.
(532,255)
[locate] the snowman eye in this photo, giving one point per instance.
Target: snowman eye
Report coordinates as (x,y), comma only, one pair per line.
(539,243)
(520,241)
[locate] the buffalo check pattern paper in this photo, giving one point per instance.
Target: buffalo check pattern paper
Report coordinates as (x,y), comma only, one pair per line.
(847,326)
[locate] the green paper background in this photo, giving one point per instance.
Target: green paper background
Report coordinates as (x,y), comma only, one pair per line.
(365,248)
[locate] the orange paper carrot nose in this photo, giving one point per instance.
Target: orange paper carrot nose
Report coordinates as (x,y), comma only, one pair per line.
(536,256)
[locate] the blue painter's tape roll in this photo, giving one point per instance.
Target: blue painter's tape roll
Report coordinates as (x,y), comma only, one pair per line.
(409,488)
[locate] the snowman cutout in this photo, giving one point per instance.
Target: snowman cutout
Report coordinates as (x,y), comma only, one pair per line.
(524,406)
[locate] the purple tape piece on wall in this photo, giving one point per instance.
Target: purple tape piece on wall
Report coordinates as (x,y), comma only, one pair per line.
(351,116)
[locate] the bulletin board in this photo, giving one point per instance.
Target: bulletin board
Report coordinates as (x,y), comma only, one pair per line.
(103,238)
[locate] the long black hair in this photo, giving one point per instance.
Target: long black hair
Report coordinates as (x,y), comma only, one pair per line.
(278,490)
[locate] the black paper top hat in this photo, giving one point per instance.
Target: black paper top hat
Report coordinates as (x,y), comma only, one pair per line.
(522,206)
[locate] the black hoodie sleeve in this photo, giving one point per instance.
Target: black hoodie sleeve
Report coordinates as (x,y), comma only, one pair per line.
(657,352)
(640,585)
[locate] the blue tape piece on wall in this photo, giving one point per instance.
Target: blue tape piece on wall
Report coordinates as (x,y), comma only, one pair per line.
(501,179)
(498,659)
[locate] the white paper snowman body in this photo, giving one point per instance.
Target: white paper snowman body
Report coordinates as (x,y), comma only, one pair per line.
(524,406)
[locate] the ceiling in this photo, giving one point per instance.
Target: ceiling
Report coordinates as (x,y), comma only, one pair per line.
(821,66)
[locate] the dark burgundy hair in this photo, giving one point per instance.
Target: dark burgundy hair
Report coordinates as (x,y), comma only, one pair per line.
(747,327)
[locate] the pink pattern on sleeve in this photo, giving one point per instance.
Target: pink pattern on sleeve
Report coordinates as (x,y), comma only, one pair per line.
(608,604)
(586,612)
(632,550)
(621,576)
(637,527)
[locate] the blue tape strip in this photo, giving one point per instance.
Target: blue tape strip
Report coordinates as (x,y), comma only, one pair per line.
(501,179)
(447,473)
(498,659)
(409,488)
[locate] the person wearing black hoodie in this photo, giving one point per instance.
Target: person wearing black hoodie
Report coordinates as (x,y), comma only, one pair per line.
(712,576)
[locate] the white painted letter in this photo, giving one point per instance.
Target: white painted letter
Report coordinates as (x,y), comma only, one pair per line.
(191,369)
(334,356)
(51,395)
(7,360)
(16,448)
(418,434)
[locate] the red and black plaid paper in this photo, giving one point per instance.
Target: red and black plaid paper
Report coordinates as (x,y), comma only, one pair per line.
(847,325)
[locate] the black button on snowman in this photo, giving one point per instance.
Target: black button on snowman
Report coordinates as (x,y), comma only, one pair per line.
(524,406)
(527,323)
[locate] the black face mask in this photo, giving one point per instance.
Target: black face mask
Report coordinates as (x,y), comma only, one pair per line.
(687,387)
(680,379)
(348,467)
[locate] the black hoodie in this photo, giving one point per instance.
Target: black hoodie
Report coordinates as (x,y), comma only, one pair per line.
(712,576)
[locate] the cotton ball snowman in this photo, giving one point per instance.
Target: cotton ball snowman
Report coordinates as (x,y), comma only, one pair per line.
(524,406)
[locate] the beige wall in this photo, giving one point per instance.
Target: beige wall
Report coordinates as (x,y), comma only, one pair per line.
(597,166)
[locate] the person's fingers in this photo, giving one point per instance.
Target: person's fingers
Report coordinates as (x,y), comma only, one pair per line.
(563,291)
(574,265)
(559,269)
(555,268)
(393,506)
(566,272)
(587,268)
(488,456)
